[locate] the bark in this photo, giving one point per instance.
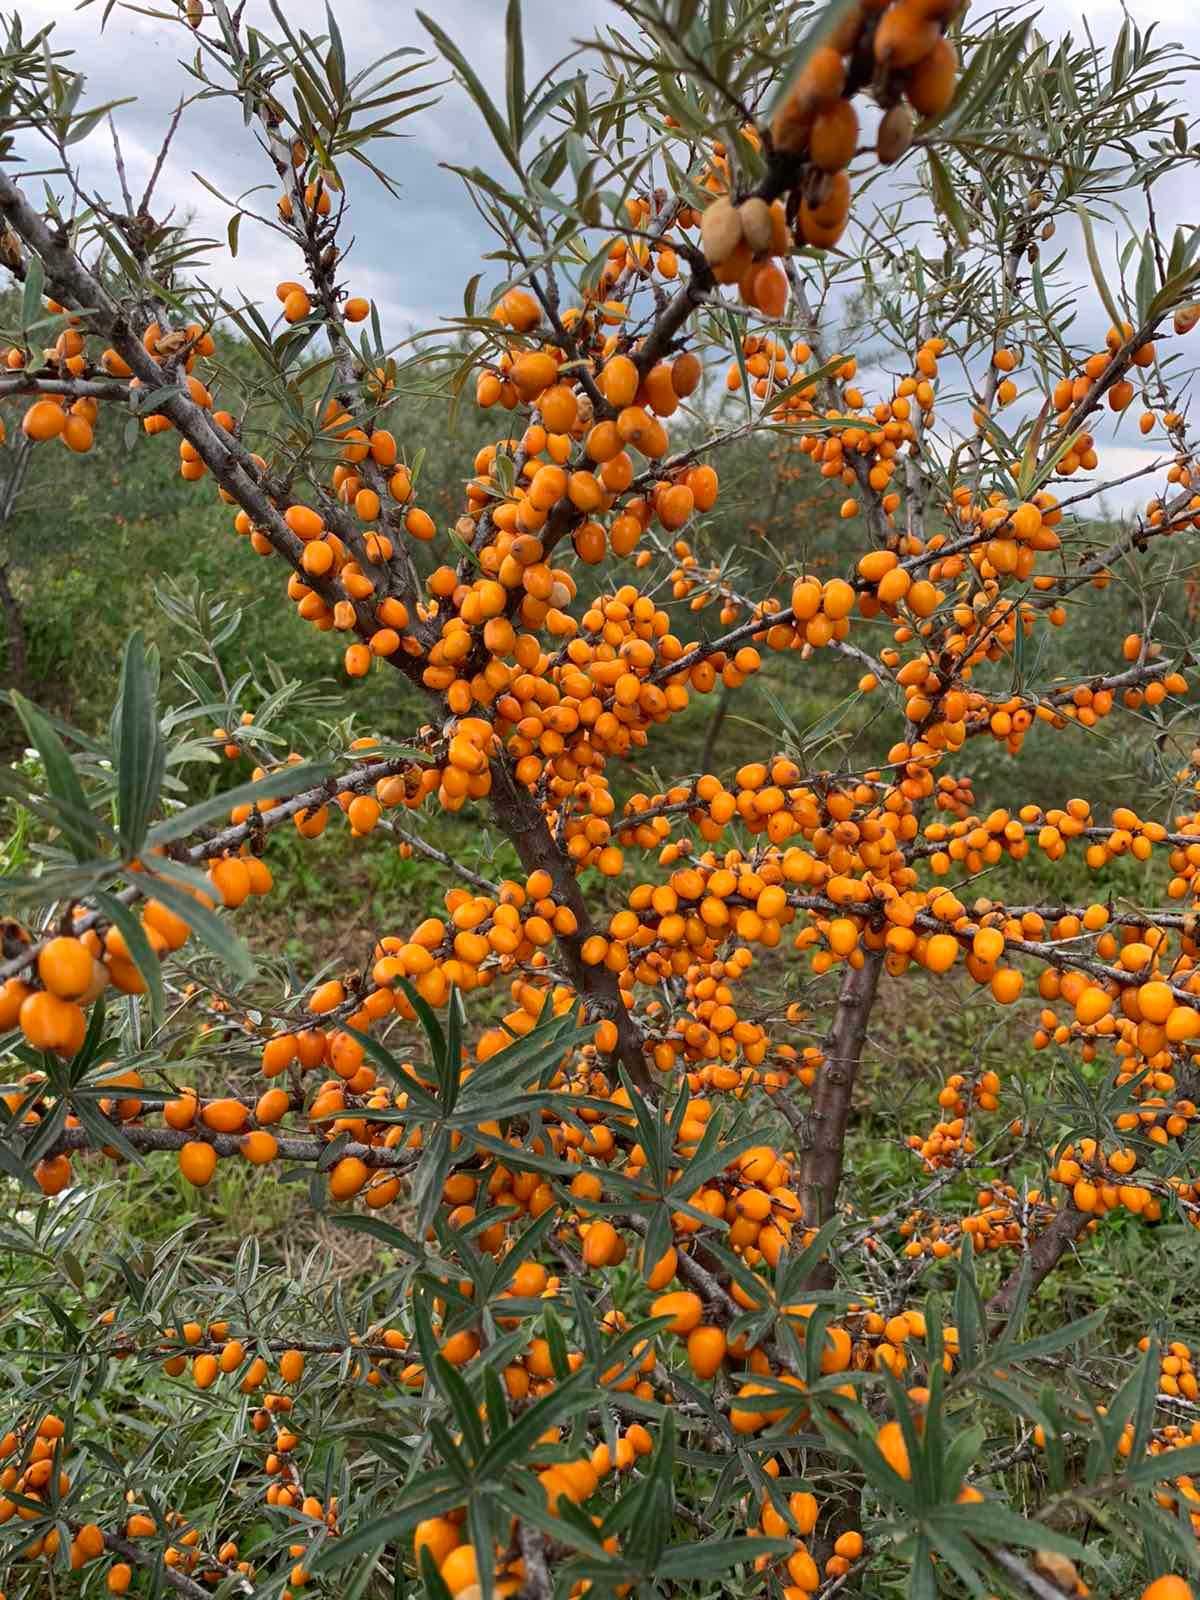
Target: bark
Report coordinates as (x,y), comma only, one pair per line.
(1044,1255)
(291,1148)
(670,321)
(137,1556)
(822,1159)
(521,818)
(537,1585)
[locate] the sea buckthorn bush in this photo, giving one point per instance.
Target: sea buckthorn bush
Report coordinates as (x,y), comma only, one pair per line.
(782,379)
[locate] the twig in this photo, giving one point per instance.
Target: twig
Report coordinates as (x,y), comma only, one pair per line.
(1045,1254)
(120,162)
(162,156)
(1026,1576)
(173,1578)
(537,1584)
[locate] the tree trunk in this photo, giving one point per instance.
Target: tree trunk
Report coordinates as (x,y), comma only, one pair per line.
(1046,1251)
(519,815)
(821,1160)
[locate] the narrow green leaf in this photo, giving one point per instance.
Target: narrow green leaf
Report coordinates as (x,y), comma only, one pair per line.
(137,745)
(419,1096)
(1046,1344)
(945,197)
(427,1017)
(994,1523)
(707,1559)
(989,67)
(335,64)
(515,72)
(140,948)
(1093,256)
(821,26)
(434,1585)
(31,298)
(735,339)
(475,89)
(286,782)
(1154,1469)
(75,814)
(1147,280)
(564,1400)
(461,1401)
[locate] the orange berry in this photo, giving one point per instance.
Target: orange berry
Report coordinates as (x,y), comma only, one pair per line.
(49,1023)
(291,1366)
(259,1147)
(890,1443)
(65,966)
(682,1306)
(197,1162)
(706,1348)
(1167,1588)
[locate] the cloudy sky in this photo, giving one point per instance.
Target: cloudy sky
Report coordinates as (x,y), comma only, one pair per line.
(411,256)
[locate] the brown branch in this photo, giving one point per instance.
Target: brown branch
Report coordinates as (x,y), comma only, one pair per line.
(1024,1575)
(820,1172)
(714,727)
(155,174)
(431,853)
(119,159)
(226,458)
(171,1576)
(524,822)
(537,1585)
(1043,1256)
(252,1341)
(155,1140)
(678,310)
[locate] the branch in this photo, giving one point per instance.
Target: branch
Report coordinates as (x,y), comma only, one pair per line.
(678,310)
(432,853)
(537,1585)
(1041,1259)
(1026,1576)
(162,156)
(524,822)
(13,383)
(171,1576)
(820,1172)
(155,1140)
(230,463)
